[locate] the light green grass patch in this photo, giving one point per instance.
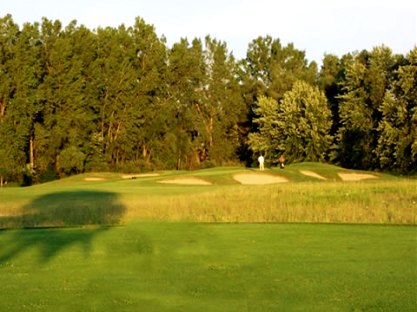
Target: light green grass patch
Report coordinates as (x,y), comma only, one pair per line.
(384,200)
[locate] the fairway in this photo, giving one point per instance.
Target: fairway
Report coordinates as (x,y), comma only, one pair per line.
(208,267)
(113,242)
(145,170)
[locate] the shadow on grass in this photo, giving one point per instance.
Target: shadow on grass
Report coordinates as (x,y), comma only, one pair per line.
(57,221)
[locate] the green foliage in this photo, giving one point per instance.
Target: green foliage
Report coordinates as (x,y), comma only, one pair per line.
(306,122)
(269,69)
(367,79)
(331,78)
(221,104)
(274,68)
(298,127)
(268,139)
(70,160)
(397,143)
(127,101)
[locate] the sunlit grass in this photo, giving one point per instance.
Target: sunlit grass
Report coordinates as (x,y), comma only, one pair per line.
(384,200)
(371,202)
(222,247)
(168,266)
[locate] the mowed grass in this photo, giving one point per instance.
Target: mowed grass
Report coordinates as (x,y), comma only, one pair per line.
(168,266)
(100,242)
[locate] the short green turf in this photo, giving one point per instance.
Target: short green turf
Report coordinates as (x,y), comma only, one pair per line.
(165,266)
(100,254)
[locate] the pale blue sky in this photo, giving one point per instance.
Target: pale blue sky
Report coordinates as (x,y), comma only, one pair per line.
(316,26)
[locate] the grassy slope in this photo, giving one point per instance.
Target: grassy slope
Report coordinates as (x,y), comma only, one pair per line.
(196,267)
(154,266)
(386,200)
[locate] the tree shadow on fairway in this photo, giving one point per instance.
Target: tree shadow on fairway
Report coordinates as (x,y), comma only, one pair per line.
(57,221)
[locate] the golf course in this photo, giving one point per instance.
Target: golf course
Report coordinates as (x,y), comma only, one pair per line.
(310,237)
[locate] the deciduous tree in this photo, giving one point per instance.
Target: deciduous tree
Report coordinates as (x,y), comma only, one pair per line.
(298,127)
(367,79)
(397,142)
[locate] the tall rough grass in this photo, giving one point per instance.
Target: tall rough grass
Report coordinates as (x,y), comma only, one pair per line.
(388,201)
(384,202)
(63,209)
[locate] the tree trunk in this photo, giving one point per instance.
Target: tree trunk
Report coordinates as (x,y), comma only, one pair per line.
(2,109)
(210,128)
(31,154)
(146,155)
(178,163)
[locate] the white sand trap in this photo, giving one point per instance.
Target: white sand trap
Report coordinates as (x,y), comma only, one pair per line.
(258,178)
(140,175)
(356,176)
(91,179)
(186,181)
(312,174)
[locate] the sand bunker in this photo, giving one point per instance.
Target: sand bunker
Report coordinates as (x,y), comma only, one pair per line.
(140,175)
(186,181)
(258,178)
(312,174)
(91,179)
(356,176)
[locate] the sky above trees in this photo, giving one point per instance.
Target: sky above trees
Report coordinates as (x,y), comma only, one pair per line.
(317,27)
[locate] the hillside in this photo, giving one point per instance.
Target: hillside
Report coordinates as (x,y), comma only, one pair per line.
(306,192)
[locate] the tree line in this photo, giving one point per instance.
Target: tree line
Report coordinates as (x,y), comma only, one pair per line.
(119,99)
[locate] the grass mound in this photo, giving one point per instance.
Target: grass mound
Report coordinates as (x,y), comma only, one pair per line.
(305,198)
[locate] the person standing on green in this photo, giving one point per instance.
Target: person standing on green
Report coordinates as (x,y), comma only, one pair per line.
(281,161)
(261,163)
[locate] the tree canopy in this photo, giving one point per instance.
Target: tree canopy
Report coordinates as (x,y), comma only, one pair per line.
(120,99)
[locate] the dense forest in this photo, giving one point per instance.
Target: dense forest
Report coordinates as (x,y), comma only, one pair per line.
(119,99)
